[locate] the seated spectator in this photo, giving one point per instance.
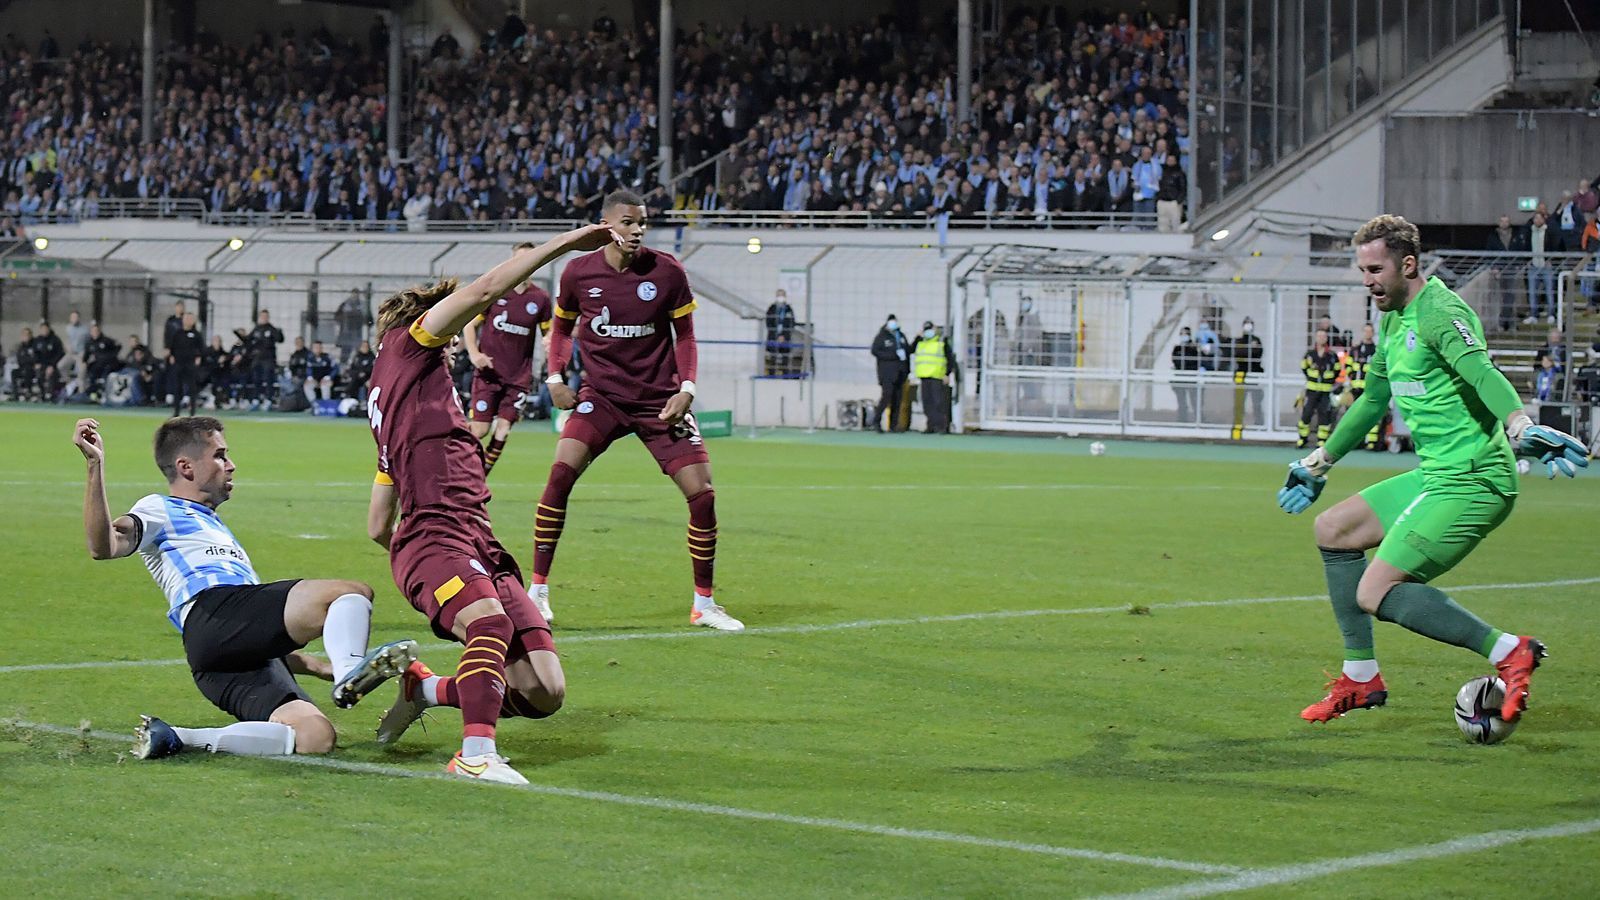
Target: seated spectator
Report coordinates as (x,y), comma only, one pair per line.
(100,353)
(25,375)
(1546,380)
(48,351)
(1555,348)
(320,370)
(359,372)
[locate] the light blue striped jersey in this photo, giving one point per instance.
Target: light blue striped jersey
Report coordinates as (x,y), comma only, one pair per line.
(187,549)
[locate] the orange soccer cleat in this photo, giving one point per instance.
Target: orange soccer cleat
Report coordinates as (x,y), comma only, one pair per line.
(1515,670)
(1345,694)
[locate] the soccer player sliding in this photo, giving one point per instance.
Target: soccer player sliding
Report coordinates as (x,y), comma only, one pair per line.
(1468,425)
(638,380)
(443,551)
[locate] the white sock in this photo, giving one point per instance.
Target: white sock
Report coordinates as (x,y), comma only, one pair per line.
(1503,647)
(241,738)
(702,602)
(344,632)
(478,746)
(428,690)
(1361,669)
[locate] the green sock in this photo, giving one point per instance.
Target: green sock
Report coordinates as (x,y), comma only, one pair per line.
(1431,613)
(1344,569)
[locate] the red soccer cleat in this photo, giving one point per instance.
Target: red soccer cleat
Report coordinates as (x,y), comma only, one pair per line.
(1515,670)
(1345,694)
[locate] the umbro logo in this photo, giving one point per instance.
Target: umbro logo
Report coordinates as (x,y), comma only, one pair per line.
(594,292)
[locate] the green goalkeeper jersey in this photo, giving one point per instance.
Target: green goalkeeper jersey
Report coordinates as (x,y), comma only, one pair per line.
(1419,351)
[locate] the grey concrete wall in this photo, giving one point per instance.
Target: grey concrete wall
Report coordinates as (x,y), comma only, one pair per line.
(1471,169)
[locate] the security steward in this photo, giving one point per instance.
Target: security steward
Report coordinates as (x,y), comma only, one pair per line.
(1321,367)
(933,362)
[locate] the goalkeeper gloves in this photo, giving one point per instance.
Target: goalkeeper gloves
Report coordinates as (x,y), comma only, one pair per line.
(1305,482)
(1561,453)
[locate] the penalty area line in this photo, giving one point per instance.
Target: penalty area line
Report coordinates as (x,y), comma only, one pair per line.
(706,634)
(1252,879)
(707,809)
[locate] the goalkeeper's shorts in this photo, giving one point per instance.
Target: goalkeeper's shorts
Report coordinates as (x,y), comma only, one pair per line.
(1430,527)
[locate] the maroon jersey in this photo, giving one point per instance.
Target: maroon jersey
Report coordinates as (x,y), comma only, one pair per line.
(424,446)
(509,330)
(624,323)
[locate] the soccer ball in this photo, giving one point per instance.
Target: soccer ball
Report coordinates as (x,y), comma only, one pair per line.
(1478,711)
(1524,467)
(1097,449)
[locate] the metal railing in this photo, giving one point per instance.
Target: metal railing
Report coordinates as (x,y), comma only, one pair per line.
(767,218)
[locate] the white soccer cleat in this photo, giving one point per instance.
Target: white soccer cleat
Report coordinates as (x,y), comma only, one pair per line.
(715,617)
(484,768)
(408,706)
(379,666)
(541,599)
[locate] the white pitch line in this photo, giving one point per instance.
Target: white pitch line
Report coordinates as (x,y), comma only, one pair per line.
(708,809)
(1053,486)
(706,634)
(1259,878)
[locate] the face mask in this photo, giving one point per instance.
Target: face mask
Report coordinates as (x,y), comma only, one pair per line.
(927,332)
(1027,306)
(1184,339)
(1249,327)
(893,326)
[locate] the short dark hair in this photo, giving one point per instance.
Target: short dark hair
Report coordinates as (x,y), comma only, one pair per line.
(525,245)
(178,436)
(620,198)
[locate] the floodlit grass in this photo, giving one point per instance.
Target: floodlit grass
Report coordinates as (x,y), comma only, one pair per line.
(903,752)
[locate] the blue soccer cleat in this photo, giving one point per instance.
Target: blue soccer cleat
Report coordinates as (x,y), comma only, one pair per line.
(374,669)
(154,739)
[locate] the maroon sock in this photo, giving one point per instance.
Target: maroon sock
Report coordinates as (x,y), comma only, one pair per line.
(491,454)
(480,681)
(703,538)
(550,518)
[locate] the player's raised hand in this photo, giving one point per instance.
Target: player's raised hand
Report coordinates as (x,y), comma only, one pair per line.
(677,407)
(1305,482)
(86,437)
(1561,453)
(591,237)
(562,396)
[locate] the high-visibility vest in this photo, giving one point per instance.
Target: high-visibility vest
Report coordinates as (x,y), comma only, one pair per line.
(1322,370)
(929,358)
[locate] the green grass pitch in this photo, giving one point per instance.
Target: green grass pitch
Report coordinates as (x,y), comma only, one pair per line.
(880,731)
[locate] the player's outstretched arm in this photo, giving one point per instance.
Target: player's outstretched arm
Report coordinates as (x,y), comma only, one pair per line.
(380,512)
(1561,453)
(447,317)
(107,539)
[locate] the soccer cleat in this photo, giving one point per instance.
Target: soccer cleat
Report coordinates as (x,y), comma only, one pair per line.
(485,767)
(1516,670)
(714,617)
(541,599)
(374,669)
(1345,694)
(408,706)
(154,739)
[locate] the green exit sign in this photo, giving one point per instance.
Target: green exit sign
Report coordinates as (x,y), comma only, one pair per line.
(1527,204)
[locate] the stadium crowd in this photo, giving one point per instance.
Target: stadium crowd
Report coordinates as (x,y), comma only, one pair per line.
(1080,115)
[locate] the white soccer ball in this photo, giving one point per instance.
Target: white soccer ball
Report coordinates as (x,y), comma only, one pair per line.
(1524,467)
(1097,449)
(1478,711)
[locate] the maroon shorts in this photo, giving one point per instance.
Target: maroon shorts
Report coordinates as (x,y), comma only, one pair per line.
(494,399)
(442,568)
(597,422)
